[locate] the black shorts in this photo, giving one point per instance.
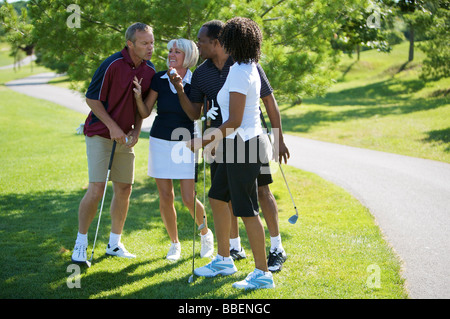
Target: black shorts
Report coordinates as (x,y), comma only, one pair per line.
(264,177)
(234,178)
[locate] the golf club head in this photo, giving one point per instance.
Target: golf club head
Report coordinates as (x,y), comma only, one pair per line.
(88,263)
(201,226)
(293,219)
(191,279)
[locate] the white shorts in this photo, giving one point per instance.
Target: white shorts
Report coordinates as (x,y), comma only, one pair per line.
(170,160)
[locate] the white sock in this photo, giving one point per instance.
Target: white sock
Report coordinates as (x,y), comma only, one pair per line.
(82,238)
(262,272)
(224,258)
(209,230)
(114,239)
(275,243)
(235,243)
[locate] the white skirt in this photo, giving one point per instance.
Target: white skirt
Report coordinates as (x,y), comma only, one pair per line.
(170,160)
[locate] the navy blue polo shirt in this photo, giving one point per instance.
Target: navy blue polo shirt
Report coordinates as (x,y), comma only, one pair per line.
(170,114)
(112,84)
(207,80)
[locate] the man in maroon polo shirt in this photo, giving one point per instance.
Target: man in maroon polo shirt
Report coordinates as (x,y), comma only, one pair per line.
(114,117)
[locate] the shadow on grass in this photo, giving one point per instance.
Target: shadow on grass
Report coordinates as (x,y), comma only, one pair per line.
(439,136)
(388,97)
(383,93)
(37,234)
(35,230)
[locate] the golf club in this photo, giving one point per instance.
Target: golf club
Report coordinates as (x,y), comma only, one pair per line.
(293,218)
(205,101)
(88,263)
(191,278)
(203,225)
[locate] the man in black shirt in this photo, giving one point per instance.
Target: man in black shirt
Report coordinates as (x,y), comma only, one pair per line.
(207,80)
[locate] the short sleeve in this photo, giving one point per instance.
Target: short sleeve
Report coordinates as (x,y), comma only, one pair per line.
(266,89)
(156,82)
(239,80)
(196,95)
(99,87)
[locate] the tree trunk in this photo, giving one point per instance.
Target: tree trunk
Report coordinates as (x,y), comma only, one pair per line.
(411,43)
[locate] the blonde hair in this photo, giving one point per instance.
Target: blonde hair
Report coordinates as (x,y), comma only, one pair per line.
(190,51)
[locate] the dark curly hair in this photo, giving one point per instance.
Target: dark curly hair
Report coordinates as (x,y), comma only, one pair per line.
(242,38)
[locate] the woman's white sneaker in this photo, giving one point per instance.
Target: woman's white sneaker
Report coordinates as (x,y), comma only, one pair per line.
(218,266)
(79,253)
(257,279)
(174,252)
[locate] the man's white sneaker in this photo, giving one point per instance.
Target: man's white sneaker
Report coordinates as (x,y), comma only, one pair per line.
(119,251)
(79,253)
(207,244)
(217,266)
(257,279)
(174,252)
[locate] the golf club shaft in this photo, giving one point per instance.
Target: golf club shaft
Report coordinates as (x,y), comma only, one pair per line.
(204,126)
(193,234)
(104,193)
(195,211)
(279,162)
(292,198)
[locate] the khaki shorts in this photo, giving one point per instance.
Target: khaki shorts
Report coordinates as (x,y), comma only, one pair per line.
(98,151)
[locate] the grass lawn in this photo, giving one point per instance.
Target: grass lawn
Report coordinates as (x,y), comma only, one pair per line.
(5,58)
(379,103)
(331,249)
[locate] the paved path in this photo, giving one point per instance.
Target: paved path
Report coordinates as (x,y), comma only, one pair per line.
(21,63)
(36,86)
(409,197)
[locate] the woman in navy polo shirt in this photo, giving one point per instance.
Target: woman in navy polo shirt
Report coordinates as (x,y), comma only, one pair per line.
(169,158)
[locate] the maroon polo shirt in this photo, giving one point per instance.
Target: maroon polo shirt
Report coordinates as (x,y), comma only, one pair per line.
(112,84)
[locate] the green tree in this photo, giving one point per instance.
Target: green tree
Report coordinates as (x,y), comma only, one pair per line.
(437,48)
(297,53)
(102,25)
(17,29)
(364,27)
(298,56)
(417,15)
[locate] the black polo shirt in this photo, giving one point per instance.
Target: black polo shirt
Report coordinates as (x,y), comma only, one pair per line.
(208,80)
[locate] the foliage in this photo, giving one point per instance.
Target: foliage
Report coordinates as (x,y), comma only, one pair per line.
(437,49)
(17,28)
(303,39)
(363,27)
(103,23)
(298,58)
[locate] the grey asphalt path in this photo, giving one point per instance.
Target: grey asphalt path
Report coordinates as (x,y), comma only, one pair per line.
(36,86)
(409,197)
(25,61)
